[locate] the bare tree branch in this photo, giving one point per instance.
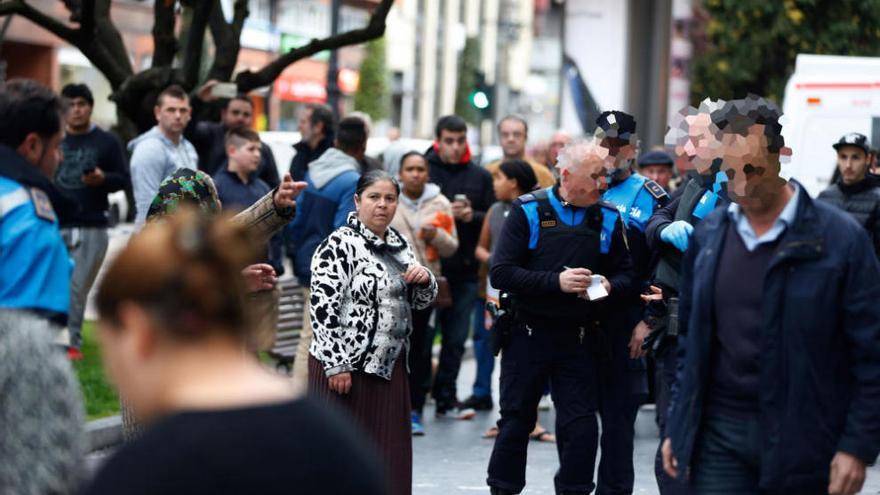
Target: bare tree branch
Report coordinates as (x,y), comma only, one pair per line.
(248,80)
(195,40)
(164,41)
(20,7)
(227,40)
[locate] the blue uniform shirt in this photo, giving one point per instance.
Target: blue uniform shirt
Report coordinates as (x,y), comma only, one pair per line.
(35,267)
(634,200)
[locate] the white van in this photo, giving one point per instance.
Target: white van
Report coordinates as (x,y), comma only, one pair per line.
(825,98)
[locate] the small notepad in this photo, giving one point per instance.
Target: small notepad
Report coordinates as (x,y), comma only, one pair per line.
(596,290)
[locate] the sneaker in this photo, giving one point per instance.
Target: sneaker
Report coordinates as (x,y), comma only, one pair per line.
(417,429)
(74,354)
(454,411)
(478,403)
(545,403)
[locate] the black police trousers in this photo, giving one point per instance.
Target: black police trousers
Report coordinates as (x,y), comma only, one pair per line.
(665,377)
(531,356)
(623,387)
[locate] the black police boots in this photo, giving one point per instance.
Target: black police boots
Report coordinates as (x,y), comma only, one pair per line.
(500,491)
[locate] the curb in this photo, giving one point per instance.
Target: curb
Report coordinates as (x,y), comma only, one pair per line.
(104,433)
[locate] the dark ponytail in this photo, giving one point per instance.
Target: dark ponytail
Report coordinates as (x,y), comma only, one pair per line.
(522,173)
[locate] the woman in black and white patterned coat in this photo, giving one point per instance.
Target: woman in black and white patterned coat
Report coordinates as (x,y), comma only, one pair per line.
(365,281)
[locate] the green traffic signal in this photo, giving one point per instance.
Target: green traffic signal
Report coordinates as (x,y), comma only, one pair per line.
(479,99)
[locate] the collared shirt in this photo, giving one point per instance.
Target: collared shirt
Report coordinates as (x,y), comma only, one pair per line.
(747,233)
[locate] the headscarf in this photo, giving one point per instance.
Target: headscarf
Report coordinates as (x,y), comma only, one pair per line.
(184,186)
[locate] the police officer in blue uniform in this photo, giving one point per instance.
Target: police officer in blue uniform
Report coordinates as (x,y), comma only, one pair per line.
(623,382)
(38,384)
(554,245)
(34,263)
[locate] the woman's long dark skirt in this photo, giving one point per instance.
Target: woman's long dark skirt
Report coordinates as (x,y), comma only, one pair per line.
(383,410)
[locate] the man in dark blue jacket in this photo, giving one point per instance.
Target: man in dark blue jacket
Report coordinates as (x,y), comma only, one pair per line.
(778,384)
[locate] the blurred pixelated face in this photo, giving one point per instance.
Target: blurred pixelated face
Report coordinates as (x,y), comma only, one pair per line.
(238,113)
(79,113)
(452,146)
(512,134)
(172,114)
(661,174)
(623,151)
(246,156)
(414,174)
(752,170)
(852,162)
(700,148)
(376,205)
(583,184)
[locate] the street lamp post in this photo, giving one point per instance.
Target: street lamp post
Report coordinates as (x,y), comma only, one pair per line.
(333,65)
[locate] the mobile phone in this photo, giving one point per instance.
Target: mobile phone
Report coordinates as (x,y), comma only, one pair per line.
(224,90)
(460,198)
(89,169)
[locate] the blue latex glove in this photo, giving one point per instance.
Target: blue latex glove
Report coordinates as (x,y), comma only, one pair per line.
(677,233)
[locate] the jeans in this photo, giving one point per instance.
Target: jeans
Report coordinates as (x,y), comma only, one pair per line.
(87,247)
(727,459)
(419,358)
(482,352)
(455,324)
(529,358)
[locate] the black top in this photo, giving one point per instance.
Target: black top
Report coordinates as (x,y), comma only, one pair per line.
(291,447)
(84,152)
(739,291)
(305,155)
(862,201)
(475,183)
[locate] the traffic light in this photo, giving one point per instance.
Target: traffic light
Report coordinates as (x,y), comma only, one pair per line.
(482,94)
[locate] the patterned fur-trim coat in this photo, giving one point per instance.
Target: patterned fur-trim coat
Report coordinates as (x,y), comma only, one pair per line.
(348,281)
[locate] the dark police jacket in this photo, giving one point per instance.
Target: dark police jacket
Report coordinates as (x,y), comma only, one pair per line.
(820,342)
(862,201)
(542,236)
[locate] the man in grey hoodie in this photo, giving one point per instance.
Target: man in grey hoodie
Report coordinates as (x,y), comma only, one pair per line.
(160,151)
(322,207)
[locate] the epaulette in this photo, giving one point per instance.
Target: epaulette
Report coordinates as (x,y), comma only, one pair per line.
(655,189)
(527,198)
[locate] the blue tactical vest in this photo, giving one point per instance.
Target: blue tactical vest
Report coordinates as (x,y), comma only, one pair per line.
(35,267)
(564,236)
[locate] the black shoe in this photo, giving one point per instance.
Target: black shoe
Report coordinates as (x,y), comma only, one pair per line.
(454,410)
(500,491)
(478,403)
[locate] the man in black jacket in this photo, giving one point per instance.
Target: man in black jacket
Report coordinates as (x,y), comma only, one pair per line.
(470,189)
(93,166)
(209,137)
(316,129)
(856,191)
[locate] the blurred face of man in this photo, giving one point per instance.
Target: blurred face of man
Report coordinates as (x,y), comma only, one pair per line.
(752,170)
(513,138)
(308,131)
(172,115)
(852,162)
(661,174)
(582,184)
(79,114)
(452,146)
(43,153)
(238,113)
(558,140)
(623,151)
(701,148)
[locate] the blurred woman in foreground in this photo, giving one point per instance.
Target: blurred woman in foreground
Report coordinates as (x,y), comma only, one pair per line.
(173,322)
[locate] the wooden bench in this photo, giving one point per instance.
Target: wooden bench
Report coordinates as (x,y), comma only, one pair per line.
(290,321)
